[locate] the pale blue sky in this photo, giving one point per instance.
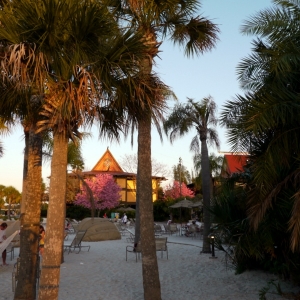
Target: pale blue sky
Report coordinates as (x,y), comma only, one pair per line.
(213,73)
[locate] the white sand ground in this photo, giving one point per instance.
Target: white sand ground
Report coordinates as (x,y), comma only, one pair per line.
(103,274)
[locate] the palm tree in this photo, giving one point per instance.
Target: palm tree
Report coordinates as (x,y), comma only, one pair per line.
(64,43)
(16,104)
(4,129)
(265,120)
(215,165)
(174,19)
(199,116)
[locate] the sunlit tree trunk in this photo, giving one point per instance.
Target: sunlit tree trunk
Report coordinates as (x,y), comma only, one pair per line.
(50,276)
(144,192)
(30,221)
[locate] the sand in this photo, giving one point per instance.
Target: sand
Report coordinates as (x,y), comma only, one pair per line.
(103,273)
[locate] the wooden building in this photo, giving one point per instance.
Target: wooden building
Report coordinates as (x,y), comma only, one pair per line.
(107,164)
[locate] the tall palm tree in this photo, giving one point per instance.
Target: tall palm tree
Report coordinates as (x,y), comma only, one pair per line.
(199,116)
(265,120)
(57,49)
(15,105)
(215,165)
(156,21)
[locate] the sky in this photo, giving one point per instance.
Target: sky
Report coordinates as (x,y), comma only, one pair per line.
(213,73)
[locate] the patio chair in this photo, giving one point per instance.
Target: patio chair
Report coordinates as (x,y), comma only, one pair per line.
(76,243)
(130,238)
(191,231)
(72,226)
(11,249)
(134,249)
(157,230)
(161,245)
(167,229)
(173,228)
(122,229)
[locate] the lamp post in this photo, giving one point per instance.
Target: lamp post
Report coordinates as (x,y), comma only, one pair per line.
(180,160)
(212,238)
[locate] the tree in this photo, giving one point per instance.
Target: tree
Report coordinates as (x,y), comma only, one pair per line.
(199,116)
(129,164)
(172,19)
(265,120)
(215,164)
(11,196)
(59,82)
(180,173)
(174,190)
(3,130)
(96,66)
(106,193)
(75,159)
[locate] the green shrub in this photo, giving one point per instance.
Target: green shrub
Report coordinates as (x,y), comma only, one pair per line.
(77,212)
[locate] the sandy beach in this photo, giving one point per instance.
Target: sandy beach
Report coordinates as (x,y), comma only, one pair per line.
(103,273)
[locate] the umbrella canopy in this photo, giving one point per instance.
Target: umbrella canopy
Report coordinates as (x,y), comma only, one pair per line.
(182,203)
(129,209)
(125,209)
(120,209)
(197,204)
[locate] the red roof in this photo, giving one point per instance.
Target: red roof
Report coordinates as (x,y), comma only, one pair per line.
(234,163)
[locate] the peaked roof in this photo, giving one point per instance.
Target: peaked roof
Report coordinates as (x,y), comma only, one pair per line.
(234,163)
(107,163)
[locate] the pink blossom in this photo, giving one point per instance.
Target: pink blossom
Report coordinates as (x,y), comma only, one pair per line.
(173,190)
(106,193)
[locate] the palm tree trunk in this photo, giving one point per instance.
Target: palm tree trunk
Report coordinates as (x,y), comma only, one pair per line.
(49,283)
(137,233)
(30,221)
(25,169)
(206,187)
(144,193)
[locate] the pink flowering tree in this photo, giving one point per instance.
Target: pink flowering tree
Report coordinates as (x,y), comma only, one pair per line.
(105,190)
(173,190)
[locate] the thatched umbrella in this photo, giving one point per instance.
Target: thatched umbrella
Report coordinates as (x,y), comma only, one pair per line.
(183,203)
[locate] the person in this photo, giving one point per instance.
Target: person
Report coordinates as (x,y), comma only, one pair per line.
(3,227)
(67,225)
(124,219)
(104,216)
(41,240)
(170,220)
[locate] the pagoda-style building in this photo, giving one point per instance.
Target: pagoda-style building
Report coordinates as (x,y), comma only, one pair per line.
(127,181)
